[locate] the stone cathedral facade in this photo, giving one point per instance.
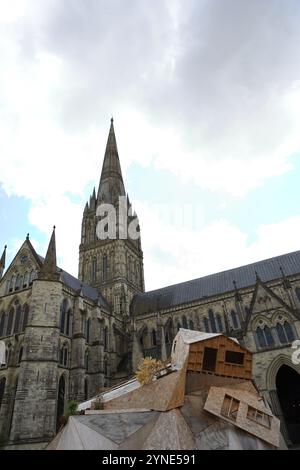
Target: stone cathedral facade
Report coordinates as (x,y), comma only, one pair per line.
(68,338)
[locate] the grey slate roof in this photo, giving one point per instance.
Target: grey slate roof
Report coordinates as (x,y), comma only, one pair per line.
(88,291)
(75,284)
(215,284)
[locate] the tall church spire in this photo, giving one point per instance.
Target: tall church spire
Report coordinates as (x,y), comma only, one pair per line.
(111,182)
(111,264)
(2,261)
(49,268)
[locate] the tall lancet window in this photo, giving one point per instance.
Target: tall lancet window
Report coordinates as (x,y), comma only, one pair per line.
(212,320)
(2,323)
(234,319)
(94,269)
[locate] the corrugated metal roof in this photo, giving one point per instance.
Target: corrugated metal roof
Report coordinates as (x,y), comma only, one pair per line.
(216,284)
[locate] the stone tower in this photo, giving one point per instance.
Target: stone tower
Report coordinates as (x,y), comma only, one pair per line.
(34,409)
(110,258)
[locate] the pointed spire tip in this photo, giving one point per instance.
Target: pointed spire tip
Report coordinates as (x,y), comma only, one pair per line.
(49,269)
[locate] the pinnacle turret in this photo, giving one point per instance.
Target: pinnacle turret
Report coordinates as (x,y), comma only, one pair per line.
(49,268)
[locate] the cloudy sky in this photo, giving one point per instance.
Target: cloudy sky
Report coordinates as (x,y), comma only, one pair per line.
(206,100)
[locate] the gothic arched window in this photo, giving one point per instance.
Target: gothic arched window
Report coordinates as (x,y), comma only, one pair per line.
(7,355)
(264,337)
(219,322)
(297,290)
(26,279)
(168,332)
(88,330)
(154,340)
(32,276)
(17,320)
(12,284)
(191,324)
(269,336)
(184,322)
(61,356)
(178,326)
(63,312)
(20,354)
(65,356)
(18,282)
(2,324)
(68,322)
(234,319)
(10,321)
(212,321)
(25,316)
(285,333)
(281,333)
(261,338)
(289,332)
(206,324)
(105,337)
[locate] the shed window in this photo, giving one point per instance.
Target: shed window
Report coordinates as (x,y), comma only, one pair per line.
(234,357)
(259,417)
(230,407)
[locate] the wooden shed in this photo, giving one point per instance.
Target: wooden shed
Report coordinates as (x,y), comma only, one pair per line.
(221,356)
(212,353)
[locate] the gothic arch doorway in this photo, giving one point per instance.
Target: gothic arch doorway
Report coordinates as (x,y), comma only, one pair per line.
(60,401)
(288,390)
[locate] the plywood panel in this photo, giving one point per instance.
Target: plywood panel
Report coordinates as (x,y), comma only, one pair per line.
(163,394)
(222,344)
(215,403)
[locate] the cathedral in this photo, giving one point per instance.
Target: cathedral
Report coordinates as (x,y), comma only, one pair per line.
(68,338)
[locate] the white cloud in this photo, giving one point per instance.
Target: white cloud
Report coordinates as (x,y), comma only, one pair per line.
(203,98)
(176,254)
(12,11)
(16,243)
(202,89)
(66,216)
